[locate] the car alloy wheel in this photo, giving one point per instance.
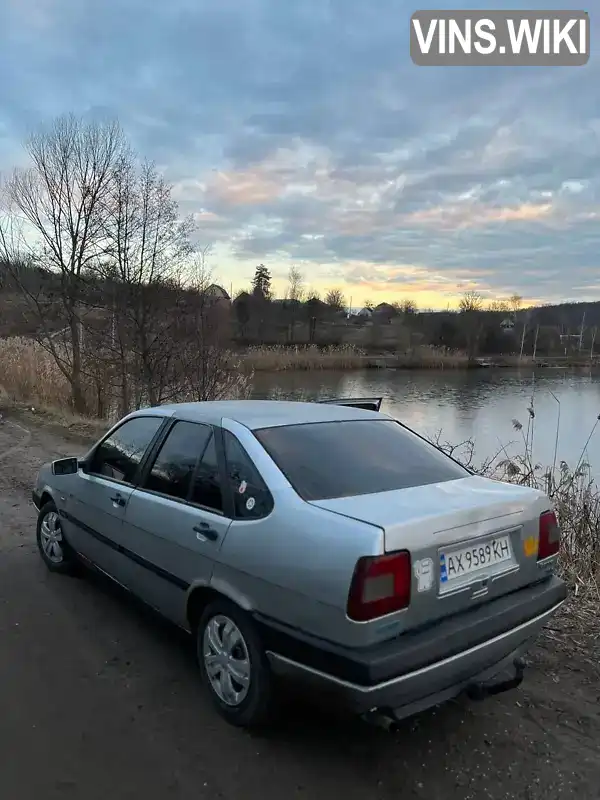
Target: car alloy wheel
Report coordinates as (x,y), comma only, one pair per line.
(226,660)
(51,538)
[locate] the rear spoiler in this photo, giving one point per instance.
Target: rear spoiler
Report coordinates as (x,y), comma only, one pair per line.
(368,403)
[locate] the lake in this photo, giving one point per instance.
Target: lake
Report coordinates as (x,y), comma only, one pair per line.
(475,404)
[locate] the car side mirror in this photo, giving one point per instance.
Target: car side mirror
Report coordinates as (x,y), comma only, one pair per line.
(65,466)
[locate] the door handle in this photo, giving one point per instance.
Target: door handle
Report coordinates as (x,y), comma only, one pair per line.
(205,530)
(118,500)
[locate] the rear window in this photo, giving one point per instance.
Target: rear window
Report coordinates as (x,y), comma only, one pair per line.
(343,459)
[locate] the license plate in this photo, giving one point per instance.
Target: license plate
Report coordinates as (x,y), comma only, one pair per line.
(456,564)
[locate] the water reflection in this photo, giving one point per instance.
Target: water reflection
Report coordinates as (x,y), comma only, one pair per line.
(476,404)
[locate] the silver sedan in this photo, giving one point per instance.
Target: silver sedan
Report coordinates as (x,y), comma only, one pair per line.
(322,542)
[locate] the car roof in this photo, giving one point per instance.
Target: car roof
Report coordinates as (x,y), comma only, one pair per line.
(256,414)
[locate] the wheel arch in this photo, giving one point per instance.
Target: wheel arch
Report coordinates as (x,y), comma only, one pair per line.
(45,497)
(200,595)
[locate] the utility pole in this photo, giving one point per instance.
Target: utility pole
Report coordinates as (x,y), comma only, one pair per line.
(581,332)
(537,330)
(523,339)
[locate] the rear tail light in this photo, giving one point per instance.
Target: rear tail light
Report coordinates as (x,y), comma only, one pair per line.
(380,585)
(549,538)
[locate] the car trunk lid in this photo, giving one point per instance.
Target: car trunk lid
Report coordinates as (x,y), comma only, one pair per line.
(470,539)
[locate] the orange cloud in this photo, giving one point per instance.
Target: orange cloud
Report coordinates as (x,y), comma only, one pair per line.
(476,216)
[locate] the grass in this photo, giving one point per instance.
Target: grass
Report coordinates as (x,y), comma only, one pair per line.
(424,357)
(29,374)
(573,490)
(575,496)
(278,358)
(32,385)
(30,379)
(349,357)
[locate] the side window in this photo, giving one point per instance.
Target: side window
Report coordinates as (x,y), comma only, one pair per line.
(206,489)
(177,458)
(119,455)
(251,497)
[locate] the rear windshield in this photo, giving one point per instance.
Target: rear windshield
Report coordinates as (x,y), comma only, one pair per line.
(344,459)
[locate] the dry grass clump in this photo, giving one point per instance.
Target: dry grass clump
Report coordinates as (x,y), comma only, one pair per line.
(278,358)
(573,490)
(29,374)
(576,499)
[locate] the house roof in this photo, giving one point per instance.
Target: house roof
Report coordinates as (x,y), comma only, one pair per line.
(218,291)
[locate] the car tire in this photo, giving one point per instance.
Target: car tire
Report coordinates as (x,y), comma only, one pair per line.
(224,626)
(56,553)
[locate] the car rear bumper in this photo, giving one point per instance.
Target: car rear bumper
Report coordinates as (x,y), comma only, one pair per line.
(36,500)
(423,668)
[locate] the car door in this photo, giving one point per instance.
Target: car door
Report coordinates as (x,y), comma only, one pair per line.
(95,509)
(176,519)
(253,538)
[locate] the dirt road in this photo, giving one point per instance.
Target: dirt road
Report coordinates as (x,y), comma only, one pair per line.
(99,700)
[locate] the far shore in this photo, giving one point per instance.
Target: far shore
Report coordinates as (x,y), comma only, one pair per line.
(280,359)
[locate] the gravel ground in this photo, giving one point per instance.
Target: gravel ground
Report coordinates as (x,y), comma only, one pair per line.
(100,699)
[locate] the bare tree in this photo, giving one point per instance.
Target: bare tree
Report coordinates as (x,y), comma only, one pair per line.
(61,200)
(471,301)
(296,290)
(515,301)
(294,296)
(146,248)
(335,299)
(408,307)
(471,305)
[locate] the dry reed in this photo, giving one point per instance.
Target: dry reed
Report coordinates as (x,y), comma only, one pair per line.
(279,358)
(425,357)
(573,490)
(29,374)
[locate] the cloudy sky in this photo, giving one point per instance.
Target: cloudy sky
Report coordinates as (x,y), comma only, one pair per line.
(299,132)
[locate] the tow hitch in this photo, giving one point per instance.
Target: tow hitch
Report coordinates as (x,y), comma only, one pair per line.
(483,689)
